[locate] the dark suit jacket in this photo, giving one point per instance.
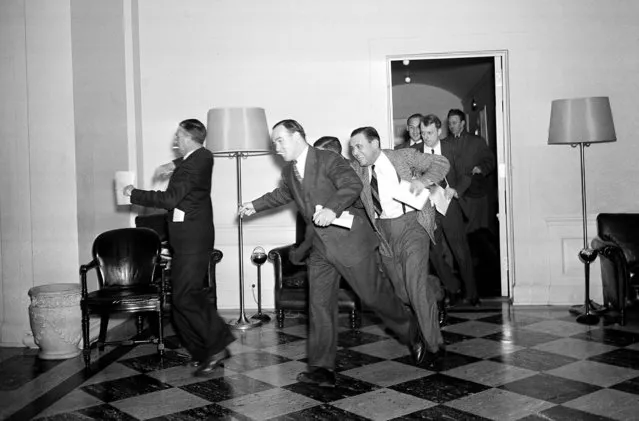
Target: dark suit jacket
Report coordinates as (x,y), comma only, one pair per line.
(189,190)
(331,182)
(472,151)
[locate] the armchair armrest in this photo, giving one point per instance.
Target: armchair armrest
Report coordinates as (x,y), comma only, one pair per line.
(216,256)
(279,257)
(83,275)
(609,249)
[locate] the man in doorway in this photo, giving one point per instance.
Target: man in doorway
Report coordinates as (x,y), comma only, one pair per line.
(323,185)
(450,227)
(188,199)
(405,232)
(414,136)
(476,162)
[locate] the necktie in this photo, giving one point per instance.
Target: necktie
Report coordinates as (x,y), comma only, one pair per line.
(377,204)
(296,172)
(432,151)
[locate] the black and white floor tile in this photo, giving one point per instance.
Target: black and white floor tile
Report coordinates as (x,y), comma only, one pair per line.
(503,364)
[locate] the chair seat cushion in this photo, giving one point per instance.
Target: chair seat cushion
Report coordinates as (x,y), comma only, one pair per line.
(131,299)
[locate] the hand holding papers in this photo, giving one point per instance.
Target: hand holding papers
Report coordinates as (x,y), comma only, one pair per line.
(123,179)
(404,195)
(345,220)
(440,199)
(435,193)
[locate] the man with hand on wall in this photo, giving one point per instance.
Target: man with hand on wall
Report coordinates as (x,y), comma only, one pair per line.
(323,185)
(188,199)
(405,232)
(450,227)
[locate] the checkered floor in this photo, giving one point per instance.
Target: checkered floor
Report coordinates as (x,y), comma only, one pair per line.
(531,364)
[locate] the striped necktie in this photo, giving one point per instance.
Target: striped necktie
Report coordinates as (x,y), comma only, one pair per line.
(296,172)
(377,204)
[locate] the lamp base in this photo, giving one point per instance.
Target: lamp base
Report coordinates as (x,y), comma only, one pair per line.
(244,324)
(593,308)
(588,319)
(265,318)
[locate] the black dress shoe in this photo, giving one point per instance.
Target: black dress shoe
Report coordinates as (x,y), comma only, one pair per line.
(442,314)
(431,358)
(417,348)
(208,366)
(472,302)
(320,376)
(193,363)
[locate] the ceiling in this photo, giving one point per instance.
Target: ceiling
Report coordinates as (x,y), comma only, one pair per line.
(457,76)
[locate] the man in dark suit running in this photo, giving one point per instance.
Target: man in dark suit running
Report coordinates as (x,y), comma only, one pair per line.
(191,232)
(324,186)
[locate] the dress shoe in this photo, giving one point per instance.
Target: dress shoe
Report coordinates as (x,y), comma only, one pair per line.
(208,366)
(417,348)
(474,302)
(442,314)
(193,363)
(431,358)
(319,376)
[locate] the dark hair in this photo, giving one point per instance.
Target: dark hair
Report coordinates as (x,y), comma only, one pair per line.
(432,119)
(329,142)
(369,133)
(292,126)
(195,129)
(459,113)
(416,115)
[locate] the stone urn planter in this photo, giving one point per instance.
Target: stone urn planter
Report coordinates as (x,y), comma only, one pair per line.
(56,322)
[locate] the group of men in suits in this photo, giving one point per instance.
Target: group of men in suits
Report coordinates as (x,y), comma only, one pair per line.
(384,234)
(465,186)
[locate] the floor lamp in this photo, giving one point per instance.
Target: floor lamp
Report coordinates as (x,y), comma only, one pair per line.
(239,133)
(578,122)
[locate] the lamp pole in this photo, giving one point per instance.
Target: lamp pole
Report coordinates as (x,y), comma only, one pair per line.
(587,255)
(242,323)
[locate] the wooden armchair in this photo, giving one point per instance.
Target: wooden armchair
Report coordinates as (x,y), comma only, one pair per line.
(126,261)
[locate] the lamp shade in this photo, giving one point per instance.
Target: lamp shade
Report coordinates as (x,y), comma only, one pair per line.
(238,130)
(581,120)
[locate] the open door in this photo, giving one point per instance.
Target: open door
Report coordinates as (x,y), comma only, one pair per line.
(434,83)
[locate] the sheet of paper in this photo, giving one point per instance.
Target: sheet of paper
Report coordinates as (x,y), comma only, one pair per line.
(438,198)
(123,179)
(178,215)
(404,195)
(345,220)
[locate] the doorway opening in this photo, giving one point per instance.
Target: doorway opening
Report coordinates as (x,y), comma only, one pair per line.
(476,83)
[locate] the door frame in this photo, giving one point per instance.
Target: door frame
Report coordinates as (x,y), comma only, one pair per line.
(502,126)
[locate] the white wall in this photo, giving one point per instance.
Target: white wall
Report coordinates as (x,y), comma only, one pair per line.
(414,98)
(324,64)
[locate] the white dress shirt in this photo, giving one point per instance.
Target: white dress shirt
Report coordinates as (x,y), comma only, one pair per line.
(387,184)
(300,163)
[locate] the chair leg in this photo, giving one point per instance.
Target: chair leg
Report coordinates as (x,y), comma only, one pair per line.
(161,331)
(280,318)
(86,351)
(139,323)
(104,324)
(354,319)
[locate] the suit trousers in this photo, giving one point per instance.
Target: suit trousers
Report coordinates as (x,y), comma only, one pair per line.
(408,270)
(476,212)
(453,232)
(202,331)
(372,287)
